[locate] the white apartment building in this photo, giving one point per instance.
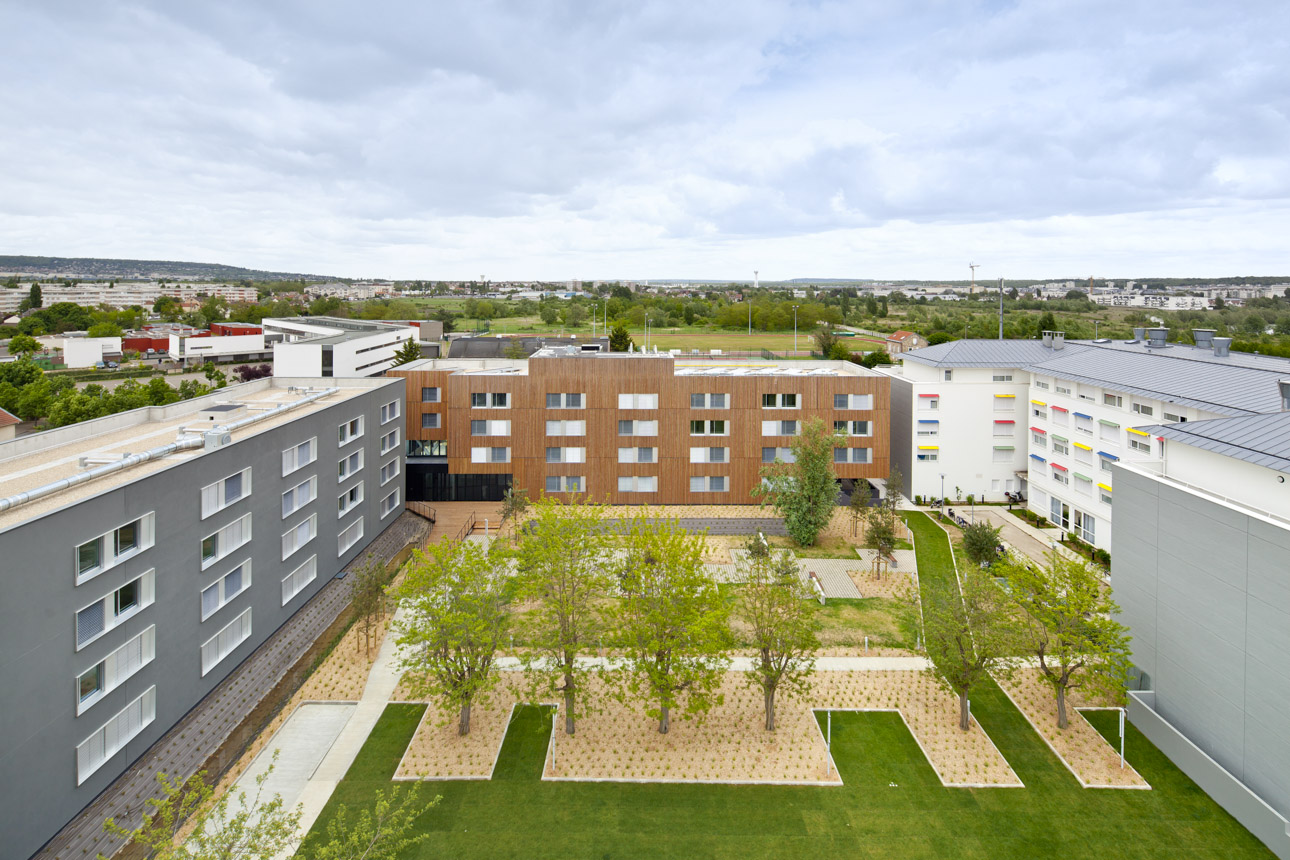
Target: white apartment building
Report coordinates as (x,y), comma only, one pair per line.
(334,347)
(1079,408)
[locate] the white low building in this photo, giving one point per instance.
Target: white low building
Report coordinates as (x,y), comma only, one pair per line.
(198,350)
(334,347)
(89,351)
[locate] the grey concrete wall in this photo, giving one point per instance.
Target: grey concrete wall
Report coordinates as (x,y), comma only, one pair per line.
(1205,591)
(902,428)
(39,727)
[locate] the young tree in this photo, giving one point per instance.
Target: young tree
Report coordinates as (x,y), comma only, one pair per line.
(515,504)
(776,605)
(380,833)
(1071,628)
(367,597)
(825,339)
(457,615)
(804,493)
(515,349)
(216,377)
(880,526)
(981,542)
(859,502)
(409,351)
(34,297)
(23,346)
(968,638)
(620,340)
(564,576)
(236,827)
(672,622)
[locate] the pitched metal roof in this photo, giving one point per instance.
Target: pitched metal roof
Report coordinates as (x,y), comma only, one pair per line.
(1263,440)
(985,353)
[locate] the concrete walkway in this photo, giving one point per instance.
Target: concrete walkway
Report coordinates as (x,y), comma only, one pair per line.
(1031,542)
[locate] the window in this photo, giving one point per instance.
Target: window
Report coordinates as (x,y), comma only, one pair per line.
(1004,404)
(779,401)
(431,421)
(490,400)
(298,496)
(348,499)
(567,455)
(299,456)
(1109,431)
(490,428)
(929,401)
(1059,513)
(565,483)
(566,428)
(1004,428)
(854,428)
(490,455)
(564,401)
(928,456)
(853,455)
(1176,418)
(1039,383)
(637,484)
(224,541)
(1104,493)
(113,735)
(638,401)
(108,550)
(224,642)
(709,401)
(637,428)
(1060,476)
(350,430)
(389,472)
(221,494)
(1003,454)
(1104,463)
(1039,410)
(1085,527)
(1139,444)
(224,589)
(1061,417)
(709,484)
(1113,400)
(925,428)
(1061,445)
(113,609)
(390,441)
(1083,424)
(853,401)
(709,428)
(709,455)
(1063,389)
(349,465)
(293,539)
(638,455)
(1002,377)
(1083,453)
(784,455)
(294,583)
(430,395)
(352,534)
(949,376)
(779,428)
(1083,484)
(389,504)
(1143,409)
(112,671)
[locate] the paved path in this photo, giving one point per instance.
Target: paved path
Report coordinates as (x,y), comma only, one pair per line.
(833,575)
(1031,542)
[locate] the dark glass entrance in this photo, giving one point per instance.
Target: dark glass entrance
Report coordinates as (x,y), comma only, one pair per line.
(431,482)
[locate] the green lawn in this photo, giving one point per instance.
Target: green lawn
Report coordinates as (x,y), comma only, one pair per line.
(891,806)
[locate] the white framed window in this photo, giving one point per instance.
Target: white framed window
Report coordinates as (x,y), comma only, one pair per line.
(389,504)
(349,499)
(853,455)
(111,548)
(637,484)
(638,455)
(216,546)
(719,427)
(1108,431)
(1001,377)
(389,411)
(854,428)
(637,401)
(1004,404)
(709,401)
(565,401)
(565,483)
(114,608)
(490,428)
(1039,411)
(347,466)
(784,455)
(1063,389)
(928,456)
(1143,409)
(112,736)
(431,420)
(390,441)
(709,484)
(779,401)
(853,401)
(490,400)
(389,472)
(294,583)
(219,495)
(224,642)
(1039,383)
(431,395)
(1174,417)
(300,495)
(566,455)
(351,535)
(566,428)
(1004,428)
(1060,476)
(299,456)
(1084,424)
(1085,526)
(779,428)
(1038,438)
(1061,417)
(1084,485)
(490,455)
(350,430)
(216,595)
(1138,443)
(709,455)
(1003,454)
(114,669)
(1104,494)
(1061,445)
(1083,454)
(299,535)
(929,428)
(1104,463)
(929,402)
(637,428)
(1113,400)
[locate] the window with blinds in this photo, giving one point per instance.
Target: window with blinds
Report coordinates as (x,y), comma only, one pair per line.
(218,545)
(109,673)
(114,608)
(216,595)
(350,536)
(109,739)
(298,496)
(389,472)
(222,643)
(389,504)
(298,536)
(294,583)
(299,456)
(219,495)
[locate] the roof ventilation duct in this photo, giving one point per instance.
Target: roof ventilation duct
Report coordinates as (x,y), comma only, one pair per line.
(1048,339)
(1284,385)
(1204,337)
(1059,340)
(1222,346)
(1139,335)
(1157,338)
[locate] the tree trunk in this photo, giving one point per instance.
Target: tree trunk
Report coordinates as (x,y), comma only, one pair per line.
(568,706)
(965,720)
(664,721)
(1061,708)
(463,724)
(769,693)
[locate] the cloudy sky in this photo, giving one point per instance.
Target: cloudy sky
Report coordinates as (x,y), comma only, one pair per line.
(652,139)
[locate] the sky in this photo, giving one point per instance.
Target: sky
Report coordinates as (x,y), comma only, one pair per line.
(641,139)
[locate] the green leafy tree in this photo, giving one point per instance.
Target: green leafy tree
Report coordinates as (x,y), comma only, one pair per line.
(969,638)
(105,329)
(455,594)
(24,346)
(515,504)
(881,519)
(167,307)
(825,340)
(410,350)
(1071,628)
(34,298)
(564,563)
(804,492)
(380,833)
(775,604)
(620,340)
(216,377)
(980,542)
(859,502)
(515,349)
(549,313)
(367,598)
(672,622)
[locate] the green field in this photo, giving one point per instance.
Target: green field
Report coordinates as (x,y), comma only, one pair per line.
(891,806)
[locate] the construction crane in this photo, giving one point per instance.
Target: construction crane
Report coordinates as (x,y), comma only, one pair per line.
(973,267)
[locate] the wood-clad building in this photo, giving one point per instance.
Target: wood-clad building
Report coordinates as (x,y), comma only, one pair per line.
(629,428)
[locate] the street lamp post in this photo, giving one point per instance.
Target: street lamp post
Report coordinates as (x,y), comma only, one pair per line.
(794,331)
(942,495)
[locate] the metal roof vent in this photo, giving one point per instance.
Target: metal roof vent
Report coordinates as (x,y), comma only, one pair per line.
(216,439)
(1204,337)
(1284,385)
(1059,340)
(1222,346)
(1139,335)
(1157,338)
(1048,339)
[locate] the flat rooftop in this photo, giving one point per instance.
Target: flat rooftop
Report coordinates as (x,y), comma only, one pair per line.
(32,461)
(684,366)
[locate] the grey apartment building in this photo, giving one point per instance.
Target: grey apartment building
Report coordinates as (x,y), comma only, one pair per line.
(146,554)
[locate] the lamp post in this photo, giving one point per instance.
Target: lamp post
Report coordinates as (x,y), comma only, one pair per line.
(794,331)
(942,495)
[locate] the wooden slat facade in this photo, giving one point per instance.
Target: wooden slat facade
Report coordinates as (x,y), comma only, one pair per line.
(600,378)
